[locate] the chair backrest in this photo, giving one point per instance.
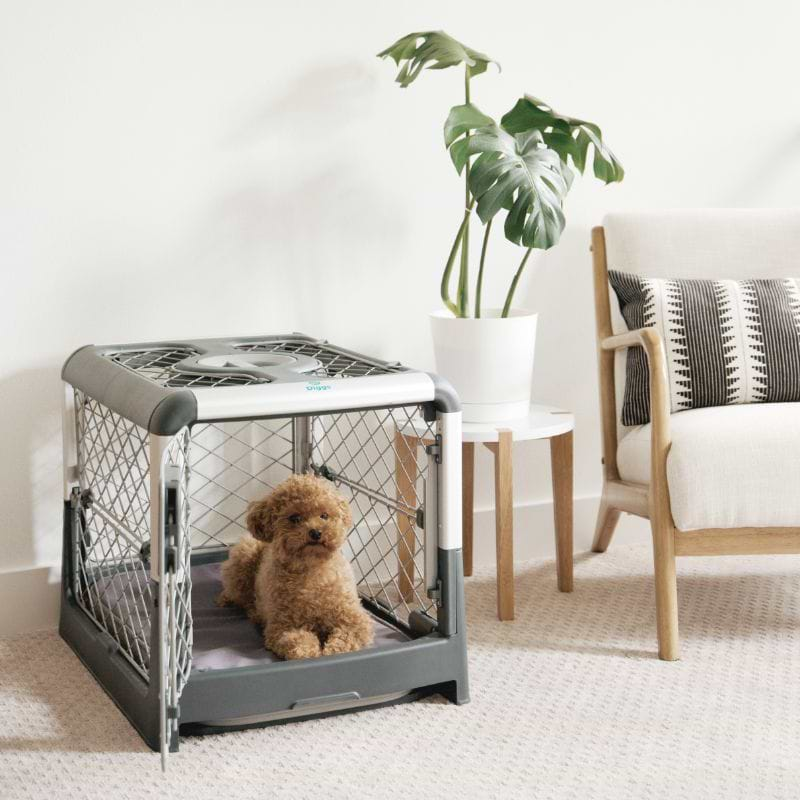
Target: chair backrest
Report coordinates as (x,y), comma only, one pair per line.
(692,243)
(707,243)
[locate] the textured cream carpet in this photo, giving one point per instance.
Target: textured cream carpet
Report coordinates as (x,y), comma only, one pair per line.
(568,701)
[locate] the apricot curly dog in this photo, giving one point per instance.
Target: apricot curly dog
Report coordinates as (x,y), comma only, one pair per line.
(291,576)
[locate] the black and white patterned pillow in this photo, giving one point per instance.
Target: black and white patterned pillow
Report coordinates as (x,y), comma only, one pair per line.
(726,341)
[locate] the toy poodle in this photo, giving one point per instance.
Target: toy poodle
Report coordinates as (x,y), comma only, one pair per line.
(291,577)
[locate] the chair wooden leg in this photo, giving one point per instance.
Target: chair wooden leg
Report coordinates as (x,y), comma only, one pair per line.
(561,468)
(607,519)
(467,498)
(405,469)
(504,525)
(666,590)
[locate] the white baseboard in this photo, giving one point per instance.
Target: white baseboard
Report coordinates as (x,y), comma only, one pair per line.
(29,599)
(534,530)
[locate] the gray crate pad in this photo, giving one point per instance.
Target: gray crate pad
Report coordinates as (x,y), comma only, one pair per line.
(225,638)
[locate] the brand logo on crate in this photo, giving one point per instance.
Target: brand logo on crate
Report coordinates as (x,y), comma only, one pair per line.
(317,386)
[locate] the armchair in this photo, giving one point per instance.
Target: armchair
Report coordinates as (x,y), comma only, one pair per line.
(712,481)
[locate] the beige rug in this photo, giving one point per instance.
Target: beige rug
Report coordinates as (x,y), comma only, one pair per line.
(568,701)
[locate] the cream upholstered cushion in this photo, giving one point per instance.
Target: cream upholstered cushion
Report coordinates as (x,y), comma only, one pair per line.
(728,467)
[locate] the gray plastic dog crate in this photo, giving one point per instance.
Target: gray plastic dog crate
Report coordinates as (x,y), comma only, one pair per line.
(165,444)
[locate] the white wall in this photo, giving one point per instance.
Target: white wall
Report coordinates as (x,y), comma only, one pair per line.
(174,168)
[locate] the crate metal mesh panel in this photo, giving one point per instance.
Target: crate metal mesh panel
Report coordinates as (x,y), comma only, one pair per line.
(161,364)
(377,460)
(112,576)
(157,365)
(335,363)
(112,583)
(231,464)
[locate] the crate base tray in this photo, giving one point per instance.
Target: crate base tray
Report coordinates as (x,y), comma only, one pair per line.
(345,706)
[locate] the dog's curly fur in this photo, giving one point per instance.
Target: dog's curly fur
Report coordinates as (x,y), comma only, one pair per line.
(291,576)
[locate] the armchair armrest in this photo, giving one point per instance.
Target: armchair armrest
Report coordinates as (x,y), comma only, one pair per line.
(660,408)
(649,338)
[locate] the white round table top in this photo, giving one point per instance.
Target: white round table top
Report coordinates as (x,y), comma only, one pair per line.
(542,422)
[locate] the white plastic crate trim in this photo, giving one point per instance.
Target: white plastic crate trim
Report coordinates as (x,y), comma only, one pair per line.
(315,396)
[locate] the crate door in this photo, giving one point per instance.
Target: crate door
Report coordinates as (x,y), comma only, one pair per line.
(111,533)
(383,462)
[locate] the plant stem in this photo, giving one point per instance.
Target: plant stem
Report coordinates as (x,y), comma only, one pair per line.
(479,287)
(444,290)
(463,276)
(513,288)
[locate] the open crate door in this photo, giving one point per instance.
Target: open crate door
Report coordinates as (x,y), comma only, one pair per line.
(383,462)
(171,568)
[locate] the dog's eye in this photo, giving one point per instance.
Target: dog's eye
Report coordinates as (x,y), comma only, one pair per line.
(294,518)
(323,515)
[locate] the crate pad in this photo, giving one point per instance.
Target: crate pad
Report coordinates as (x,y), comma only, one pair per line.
(225,638)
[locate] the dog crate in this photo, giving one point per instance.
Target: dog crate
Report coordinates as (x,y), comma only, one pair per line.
(164,446)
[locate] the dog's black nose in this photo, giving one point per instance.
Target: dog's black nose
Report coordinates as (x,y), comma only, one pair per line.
(314,535)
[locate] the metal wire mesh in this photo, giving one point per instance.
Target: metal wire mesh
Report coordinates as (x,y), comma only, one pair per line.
(335,363)
(161,363)
(375,457)
(378,461)
(157,364)
(111,581)
(231,464)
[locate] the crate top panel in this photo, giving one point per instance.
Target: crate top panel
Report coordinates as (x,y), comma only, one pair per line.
(163,386)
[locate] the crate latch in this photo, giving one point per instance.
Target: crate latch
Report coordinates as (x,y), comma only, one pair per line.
(86,498)
(436,593)
(435,449)
(171,529)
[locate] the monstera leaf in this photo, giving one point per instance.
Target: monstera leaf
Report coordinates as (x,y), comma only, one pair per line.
(460,120)
(434,50)
(569,137)
(522,175)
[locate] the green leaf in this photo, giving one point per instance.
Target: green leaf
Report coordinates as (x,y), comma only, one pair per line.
(460,120)
(522,175)
(568,136)
(434,50)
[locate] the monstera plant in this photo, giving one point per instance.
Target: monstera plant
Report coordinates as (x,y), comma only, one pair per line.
(520,169)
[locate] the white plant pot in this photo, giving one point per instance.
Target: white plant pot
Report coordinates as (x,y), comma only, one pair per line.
(489,361)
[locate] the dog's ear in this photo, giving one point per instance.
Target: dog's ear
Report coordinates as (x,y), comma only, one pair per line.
(261,517)
(344,511)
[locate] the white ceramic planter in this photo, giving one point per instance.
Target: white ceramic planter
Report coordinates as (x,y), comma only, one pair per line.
(489,361)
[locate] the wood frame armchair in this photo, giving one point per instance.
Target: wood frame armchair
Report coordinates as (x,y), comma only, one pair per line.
(653,501)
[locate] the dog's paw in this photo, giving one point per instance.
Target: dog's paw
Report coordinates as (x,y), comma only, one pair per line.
(344,641)
(222,600)
(295,644)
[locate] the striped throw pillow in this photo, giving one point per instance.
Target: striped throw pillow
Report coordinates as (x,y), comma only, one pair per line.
(726,341)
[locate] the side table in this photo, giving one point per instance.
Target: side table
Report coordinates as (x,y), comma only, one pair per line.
(543,422)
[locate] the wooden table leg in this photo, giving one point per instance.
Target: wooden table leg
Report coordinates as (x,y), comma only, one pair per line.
(561,463)
(467,496)
(405,472)
(504,523)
